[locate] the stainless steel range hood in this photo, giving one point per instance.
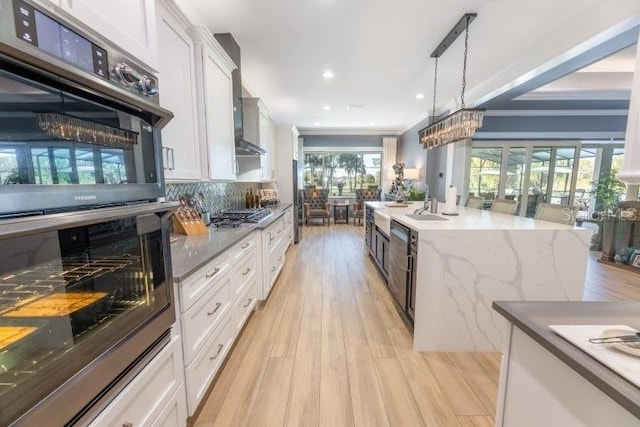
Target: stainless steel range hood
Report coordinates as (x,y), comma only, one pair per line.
(243,147)
(247,148)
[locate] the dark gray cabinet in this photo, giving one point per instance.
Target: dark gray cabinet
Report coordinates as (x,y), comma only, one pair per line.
(381,255)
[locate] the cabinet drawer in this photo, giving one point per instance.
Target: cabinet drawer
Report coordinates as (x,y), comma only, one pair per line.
(148,394)
(242,248)
(243,273)
(243,306)
(175,413)
(204,317)
(201,371)
(275,266)
(205,278)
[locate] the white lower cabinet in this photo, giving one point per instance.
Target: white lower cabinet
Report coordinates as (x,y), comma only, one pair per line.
(203,317)
(288,227)
(153,396)
(272,257)
(201,371)
(174,414)
(216,301)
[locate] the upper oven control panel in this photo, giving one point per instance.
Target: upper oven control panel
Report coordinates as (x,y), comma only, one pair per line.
(50,35)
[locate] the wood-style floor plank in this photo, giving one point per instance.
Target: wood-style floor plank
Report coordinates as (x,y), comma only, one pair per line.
(402,409)
(366,396)
(344,354)
(335,396)
(476,421)
(243,393)
(377,338)
(460,396)
(484,387)
(271,406)
(304,398)
(432,403)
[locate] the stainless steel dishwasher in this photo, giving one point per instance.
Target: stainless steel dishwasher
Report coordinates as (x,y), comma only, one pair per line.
(403,242)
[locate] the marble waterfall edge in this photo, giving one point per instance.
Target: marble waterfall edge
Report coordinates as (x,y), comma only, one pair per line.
(461,272)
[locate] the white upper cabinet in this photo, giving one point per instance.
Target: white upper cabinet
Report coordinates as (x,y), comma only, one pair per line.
(181,146)
(129,24)
(215,100)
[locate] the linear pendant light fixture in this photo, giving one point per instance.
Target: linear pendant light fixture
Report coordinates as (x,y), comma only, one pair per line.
(463,123)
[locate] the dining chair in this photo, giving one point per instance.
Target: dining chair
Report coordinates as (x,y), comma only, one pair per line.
(504,206)
(562,214)
(475,202)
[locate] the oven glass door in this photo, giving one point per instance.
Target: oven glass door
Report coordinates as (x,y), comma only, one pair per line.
(70,295)
(52,137)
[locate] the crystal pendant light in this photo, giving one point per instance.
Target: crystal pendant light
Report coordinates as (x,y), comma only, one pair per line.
(463,123)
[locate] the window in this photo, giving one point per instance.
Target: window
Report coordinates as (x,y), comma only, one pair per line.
(342,173)
(484,177)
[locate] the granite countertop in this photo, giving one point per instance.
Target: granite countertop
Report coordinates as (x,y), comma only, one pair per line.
(467,219)
(192,252)
(533,317)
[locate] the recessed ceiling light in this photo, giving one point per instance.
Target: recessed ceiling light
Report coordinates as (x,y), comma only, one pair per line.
(326,107)
(420,96)
(327,74)
(373,123)
(316,123)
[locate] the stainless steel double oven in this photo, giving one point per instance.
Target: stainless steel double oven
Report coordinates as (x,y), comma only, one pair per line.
(85,276)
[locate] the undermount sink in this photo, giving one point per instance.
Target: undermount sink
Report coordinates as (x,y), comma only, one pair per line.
(427,217)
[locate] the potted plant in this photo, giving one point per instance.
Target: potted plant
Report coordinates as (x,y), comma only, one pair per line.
(608,190)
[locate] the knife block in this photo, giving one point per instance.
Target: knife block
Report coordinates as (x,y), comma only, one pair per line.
(189,227)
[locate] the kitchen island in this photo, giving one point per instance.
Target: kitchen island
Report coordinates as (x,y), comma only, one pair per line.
(546,380)
(465,262)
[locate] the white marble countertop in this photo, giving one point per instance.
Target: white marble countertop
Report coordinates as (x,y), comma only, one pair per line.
(467,219)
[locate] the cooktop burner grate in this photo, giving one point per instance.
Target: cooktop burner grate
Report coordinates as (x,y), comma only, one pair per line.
(235,218)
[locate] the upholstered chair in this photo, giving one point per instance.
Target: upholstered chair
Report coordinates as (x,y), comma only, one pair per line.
(504,206)
(475,202)
(367,195)
(316,205)
(562,214)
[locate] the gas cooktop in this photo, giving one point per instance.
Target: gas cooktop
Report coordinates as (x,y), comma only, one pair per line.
(238,217)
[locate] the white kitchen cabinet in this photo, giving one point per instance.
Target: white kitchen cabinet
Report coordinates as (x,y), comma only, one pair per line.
(215,101)
(288,227)
(272,257)
(215,302)
(181,145)
(153,395)
(129,24)
(258,129)
(199,321)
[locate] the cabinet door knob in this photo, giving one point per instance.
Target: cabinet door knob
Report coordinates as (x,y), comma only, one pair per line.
(211,313)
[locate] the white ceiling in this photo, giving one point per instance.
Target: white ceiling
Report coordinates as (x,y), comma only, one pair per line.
(379,51)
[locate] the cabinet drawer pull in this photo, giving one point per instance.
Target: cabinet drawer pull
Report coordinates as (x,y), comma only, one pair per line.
(248,302)
(211,313)
(273,269)
(245,246)
(215,356)
(127,424)
(246,272)
(215,271)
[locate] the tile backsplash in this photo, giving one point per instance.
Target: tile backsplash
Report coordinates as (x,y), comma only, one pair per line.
(218,196)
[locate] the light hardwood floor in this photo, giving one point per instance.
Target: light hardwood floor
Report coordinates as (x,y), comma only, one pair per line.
(328,349)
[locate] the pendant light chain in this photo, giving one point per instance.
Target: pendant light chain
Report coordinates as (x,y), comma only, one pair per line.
(464,66)
(435,91)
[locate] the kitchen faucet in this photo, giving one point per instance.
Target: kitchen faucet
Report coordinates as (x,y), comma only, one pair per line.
(425,205)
